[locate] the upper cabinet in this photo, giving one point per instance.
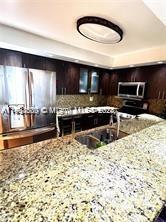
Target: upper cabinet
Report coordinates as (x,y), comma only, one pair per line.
(89,81)
(94,82)
(33,61)
(104,83)
(114,79)
(67,74)
(60,77)
(10,58)
(83,81)
(127,75)
(72,75)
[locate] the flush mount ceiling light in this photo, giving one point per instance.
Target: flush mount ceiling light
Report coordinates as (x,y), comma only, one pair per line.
(99,30)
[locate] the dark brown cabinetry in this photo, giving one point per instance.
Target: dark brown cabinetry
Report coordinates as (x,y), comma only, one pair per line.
(50,64)
(127,75)
(93,120)
(2,56)
(70,124)
(89,121)
(10,58)
(60,77)
(104,83)
(114,79)
(72,78)
(154,76)
(89,80)
(67,78)
(33,61)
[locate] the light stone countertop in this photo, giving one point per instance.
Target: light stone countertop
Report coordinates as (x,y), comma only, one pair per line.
(64,112)
(62,180)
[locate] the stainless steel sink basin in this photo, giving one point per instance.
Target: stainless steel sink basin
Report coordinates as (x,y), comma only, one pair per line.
(88,140)
(97,138)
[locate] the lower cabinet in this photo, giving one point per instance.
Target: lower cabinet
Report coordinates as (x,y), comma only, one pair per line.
(70,124)
(82,122)
(89,121)
(103,119)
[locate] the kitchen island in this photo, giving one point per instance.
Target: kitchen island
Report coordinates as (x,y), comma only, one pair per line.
(62,180)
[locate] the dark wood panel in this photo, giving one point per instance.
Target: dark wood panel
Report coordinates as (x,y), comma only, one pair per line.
(126,75)
(13,58)
(2,56)
(114,83)
(105,83)
(33,61)
(155,77)
(60,76)
(50,64)
(72,76)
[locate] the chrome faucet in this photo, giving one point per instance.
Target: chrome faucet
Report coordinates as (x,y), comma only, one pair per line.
(117,123)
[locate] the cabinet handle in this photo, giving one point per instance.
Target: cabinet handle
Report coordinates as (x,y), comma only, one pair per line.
(73,127)
(163,95)
(159,95)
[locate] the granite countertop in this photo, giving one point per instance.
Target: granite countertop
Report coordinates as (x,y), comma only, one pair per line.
(63,112)
(62,180)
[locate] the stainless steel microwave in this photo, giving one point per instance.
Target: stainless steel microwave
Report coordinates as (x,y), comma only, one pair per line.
(135,90)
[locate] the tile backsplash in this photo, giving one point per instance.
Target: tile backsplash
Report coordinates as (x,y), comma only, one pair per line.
(64,101)
(157,106)
(114,101)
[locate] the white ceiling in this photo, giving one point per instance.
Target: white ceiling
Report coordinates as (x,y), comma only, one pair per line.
(56,19)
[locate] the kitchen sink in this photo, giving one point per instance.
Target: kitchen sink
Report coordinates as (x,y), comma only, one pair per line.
(98,138)
(88,140)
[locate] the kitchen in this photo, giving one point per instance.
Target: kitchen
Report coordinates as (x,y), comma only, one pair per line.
(83,109)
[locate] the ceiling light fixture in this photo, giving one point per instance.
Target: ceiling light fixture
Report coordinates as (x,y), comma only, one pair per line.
(159,62)
(99,30)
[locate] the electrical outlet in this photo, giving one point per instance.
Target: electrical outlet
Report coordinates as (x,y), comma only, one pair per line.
(91,98)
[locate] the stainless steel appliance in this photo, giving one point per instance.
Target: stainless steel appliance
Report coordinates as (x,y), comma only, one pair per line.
(133,90)
(133,107)
(27,98)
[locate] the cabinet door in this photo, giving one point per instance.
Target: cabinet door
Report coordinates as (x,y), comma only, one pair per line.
(83,82)
(155,78)
(127,75)
(88,121)
(65,125)
(13,58)
(50,64)
(2,56)
(105,84)
(114,83)
(72,79)
(33,61)
(94,82)
(60,77)
(104,118)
